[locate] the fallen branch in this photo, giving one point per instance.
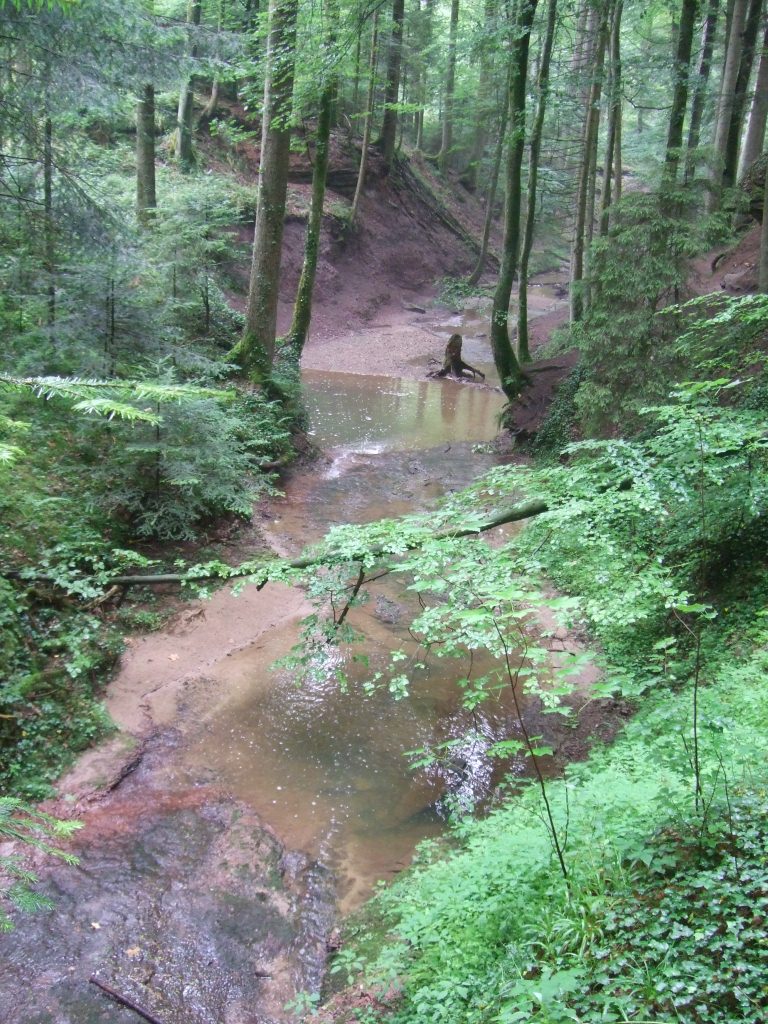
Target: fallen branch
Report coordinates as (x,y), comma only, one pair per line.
(124,1001)
(525,510)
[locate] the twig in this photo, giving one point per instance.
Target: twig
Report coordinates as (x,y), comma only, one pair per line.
(124,1001)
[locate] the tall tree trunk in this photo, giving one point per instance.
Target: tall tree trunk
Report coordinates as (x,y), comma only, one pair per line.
(450,85)
(49,228)
(738,110)
(368,118)
(356,83)
(753,143)
(490,201)
(688,14)
(523,353)
(483,113)
(700,88)
(612,165)
(210,108)
(302,310)
(588,162)
(394,61)
(184,151)
(256,349)
(146,195)
(507,366)
(726,101)
(762,278)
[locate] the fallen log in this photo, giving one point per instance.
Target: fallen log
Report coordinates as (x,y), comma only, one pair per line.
(515,514)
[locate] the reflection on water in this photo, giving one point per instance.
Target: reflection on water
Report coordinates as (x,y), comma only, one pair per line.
(325,765)
(373,414)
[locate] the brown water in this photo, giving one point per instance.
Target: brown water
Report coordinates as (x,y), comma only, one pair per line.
(211,876)
(326,766)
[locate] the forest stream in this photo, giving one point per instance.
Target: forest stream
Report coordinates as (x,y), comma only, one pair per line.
(247,812)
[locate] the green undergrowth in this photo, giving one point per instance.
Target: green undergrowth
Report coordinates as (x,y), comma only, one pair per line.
(663,916)
(635,887)
(120,432)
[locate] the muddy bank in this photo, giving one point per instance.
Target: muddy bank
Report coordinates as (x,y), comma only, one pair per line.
(184,902)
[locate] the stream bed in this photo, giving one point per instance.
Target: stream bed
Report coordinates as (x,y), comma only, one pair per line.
(250,811)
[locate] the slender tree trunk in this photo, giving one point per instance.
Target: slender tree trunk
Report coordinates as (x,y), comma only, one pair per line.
(492,188)
(356,83)
(753,143)
(618,165)
(184,151)
(146,195)
(394,61)
(450,85)
(483,112)
(256,349)
(762,280)
(738,109)
(507,366)
(700,88)
(688,14)
(523,353)
(368,118)
(588,161)
(210,108)
(302,310)
(49,230)
(613,141)
(426,30)
(726,101)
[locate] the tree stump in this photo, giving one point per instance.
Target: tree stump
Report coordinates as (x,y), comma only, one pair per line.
(453,364)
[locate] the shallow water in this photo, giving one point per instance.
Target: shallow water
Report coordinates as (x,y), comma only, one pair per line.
(183,899)
(326,765)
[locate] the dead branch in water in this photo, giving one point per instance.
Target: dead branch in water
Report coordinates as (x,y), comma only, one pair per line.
(124,1001)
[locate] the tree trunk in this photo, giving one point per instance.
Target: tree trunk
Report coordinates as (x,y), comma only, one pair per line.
(738,109)
(453,364)
(507,366)
(184,151)
(591,126)
(394,60)
(368,119)
(523,353)
(450,85)
(613,142)
(688,14)
(484,106)
(210,108)
(256,349)
(302,310)
(491,198)
(146,195)
(762,278)
(700,88)
(726,101)
(753,144)
(49,228)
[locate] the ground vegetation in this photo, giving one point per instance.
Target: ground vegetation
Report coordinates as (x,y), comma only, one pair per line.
(149,391)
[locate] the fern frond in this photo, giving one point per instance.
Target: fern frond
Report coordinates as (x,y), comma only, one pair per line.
(9,453)
(83,390)
(111,409)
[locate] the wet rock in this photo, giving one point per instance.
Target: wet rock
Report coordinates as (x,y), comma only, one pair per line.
(388,611)
(183,909)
